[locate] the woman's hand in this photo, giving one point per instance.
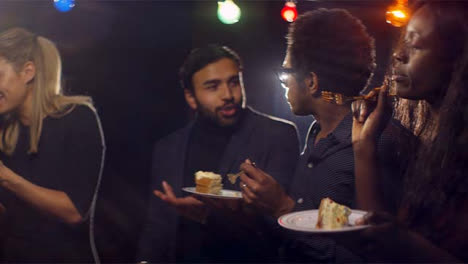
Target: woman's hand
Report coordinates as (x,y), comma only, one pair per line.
(390,241)
(384,240)
(370,118)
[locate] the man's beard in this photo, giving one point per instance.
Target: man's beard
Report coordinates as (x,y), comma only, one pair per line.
(215,117)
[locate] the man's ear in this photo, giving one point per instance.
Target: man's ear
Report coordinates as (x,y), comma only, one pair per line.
(190,99)
(28,72)
(312,83)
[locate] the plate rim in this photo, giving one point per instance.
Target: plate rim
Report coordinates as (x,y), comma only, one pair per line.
(210,195)
(314,230)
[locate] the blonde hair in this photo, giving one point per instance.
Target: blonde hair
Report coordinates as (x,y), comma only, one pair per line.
(19,46)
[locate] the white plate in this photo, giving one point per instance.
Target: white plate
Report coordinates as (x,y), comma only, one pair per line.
(305,221)
(225,194)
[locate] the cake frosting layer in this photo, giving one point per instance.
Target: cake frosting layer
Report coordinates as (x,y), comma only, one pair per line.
(207,174)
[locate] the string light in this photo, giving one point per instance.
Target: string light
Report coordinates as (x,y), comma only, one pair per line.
(228,12)
(64,5)
(399,14)
(289,11)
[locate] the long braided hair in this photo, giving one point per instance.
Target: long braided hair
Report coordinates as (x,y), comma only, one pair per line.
(436,181)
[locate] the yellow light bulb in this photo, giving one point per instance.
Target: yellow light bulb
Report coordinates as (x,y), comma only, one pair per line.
(398,15)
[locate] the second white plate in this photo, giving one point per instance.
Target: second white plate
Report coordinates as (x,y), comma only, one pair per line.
(305,221)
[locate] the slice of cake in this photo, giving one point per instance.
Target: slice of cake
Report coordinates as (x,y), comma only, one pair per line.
(208,182)
(332,215)
(232,177)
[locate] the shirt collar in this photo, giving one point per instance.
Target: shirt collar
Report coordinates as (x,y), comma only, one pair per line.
(342,132)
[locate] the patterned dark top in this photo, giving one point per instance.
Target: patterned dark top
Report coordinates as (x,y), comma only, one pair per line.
(326,169)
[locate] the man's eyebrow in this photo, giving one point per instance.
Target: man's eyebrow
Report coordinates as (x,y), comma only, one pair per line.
(214,81)
(234,77)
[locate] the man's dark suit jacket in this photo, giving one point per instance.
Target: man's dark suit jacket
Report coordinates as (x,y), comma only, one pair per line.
(271,142)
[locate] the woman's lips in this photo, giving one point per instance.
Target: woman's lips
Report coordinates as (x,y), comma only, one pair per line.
(399,78)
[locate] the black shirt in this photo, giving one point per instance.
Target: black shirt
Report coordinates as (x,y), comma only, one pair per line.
(204,152)
(220,239)
(69,159)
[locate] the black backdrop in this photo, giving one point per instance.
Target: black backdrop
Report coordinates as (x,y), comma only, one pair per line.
(126,54)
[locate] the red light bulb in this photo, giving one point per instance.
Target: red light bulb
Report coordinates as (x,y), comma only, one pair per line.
(289,11)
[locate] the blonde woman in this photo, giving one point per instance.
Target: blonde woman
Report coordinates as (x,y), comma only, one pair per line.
(52,150)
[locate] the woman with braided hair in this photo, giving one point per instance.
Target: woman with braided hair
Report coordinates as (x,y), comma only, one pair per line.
(430,75)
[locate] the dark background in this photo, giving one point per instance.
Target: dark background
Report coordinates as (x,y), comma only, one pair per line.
(126,54)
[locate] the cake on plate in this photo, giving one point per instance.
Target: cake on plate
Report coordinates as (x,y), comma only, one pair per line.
(332,215)
(208,182)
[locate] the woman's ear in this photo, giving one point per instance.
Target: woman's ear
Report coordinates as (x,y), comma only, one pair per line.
(28,72)
(190,99)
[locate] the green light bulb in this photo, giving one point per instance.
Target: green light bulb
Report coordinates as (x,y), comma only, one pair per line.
(228,12)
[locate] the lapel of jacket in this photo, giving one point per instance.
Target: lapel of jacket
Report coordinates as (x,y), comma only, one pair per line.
(176,179)
(182,154)
(237,145)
